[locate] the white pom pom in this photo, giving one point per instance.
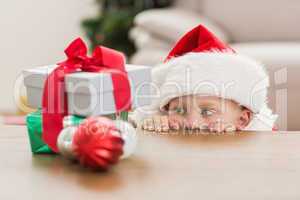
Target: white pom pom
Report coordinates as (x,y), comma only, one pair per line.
(129,136)
(64,142)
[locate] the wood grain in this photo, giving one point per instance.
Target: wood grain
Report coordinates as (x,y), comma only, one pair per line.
(174,166)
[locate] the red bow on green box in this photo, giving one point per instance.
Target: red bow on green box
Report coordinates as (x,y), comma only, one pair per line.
(54,102)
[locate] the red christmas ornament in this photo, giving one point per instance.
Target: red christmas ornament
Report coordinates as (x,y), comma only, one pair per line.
(97,143)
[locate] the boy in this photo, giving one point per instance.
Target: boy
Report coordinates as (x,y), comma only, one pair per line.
(204,84)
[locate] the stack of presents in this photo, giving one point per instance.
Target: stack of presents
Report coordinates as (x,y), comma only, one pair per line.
(82,86)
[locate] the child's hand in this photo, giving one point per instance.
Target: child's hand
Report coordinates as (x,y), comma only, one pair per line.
(156,123)
(221,127)
(161,123)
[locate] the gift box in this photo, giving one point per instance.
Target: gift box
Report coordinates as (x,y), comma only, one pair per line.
(90,93)
(85,85)
(34,127)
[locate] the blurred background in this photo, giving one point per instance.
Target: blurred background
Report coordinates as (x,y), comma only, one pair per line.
(35,33)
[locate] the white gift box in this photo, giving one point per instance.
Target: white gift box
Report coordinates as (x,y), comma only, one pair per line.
(90,93)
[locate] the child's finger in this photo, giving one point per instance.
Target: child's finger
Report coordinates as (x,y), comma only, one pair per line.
(174,124)
(196,125)
(148,124)
(217,127)
(230,127)
(204,126)
(164,123)
(157,123)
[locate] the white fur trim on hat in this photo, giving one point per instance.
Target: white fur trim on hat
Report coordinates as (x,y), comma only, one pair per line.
(227,75)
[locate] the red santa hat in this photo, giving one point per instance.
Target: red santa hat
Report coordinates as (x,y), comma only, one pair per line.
(202,64)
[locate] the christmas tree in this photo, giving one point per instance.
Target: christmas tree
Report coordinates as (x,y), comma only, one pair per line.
(111,27)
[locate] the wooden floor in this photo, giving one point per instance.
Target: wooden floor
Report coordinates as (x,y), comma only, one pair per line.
(244,166)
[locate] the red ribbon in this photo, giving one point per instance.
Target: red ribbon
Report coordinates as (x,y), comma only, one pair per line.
(54,103)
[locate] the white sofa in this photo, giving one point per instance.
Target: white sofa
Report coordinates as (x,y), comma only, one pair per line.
(266,30)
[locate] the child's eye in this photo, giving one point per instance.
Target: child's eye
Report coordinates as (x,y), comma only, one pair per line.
(180,111)
(207,112)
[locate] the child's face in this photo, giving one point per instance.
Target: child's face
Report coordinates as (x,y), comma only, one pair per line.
(204,112)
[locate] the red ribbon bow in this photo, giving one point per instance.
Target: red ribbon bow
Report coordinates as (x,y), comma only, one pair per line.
(54,103)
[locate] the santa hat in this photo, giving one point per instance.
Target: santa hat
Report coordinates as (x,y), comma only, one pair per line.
(202,64)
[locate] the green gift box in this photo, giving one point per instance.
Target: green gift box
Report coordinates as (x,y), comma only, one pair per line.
(34,127)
